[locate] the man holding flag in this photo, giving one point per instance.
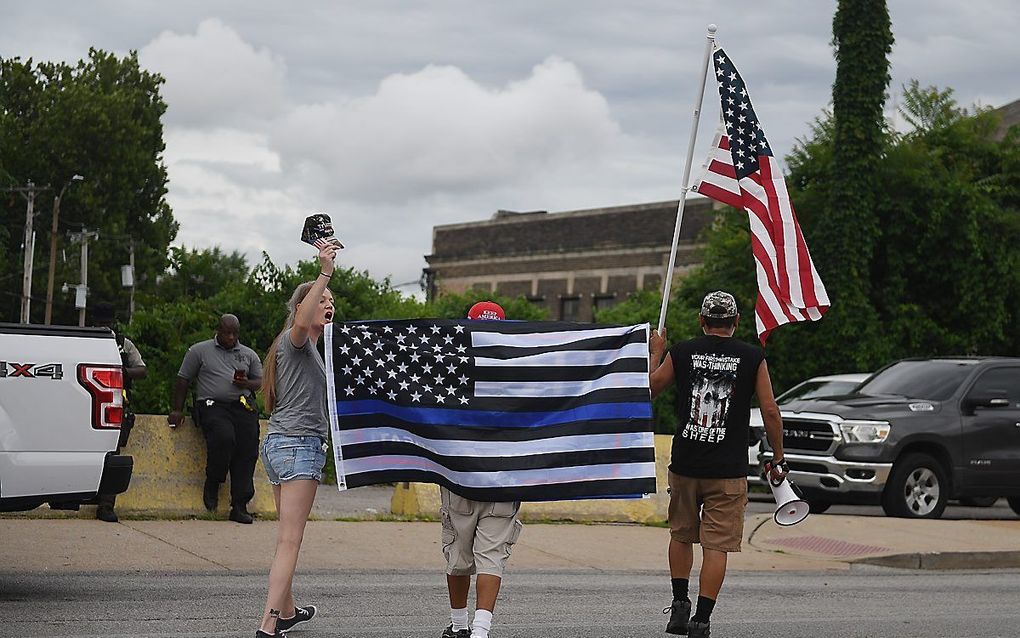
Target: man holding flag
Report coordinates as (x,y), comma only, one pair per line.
(477,538)
(715,376)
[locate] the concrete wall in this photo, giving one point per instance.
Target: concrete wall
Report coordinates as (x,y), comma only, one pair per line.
(422,499)
(169,472)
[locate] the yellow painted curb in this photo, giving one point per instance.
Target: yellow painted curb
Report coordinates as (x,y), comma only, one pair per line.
(422,499)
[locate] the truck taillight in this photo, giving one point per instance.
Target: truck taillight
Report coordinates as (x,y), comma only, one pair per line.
(105,384)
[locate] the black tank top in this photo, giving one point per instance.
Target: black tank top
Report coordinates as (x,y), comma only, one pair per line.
(715,378)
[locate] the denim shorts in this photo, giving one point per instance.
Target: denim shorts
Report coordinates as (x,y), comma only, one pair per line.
(287,458)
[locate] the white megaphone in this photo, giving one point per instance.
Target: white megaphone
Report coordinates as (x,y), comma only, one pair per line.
(790,507)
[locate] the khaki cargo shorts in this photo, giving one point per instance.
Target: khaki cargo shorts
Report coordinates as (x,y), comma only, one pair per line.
(477,537)
(707,511)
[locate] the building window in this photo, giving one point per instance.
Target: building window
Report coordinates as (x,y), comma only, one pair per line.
(604,302)
(569,308)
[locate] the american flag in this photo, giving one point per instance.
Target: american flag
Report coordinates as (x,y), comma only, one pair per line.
(742,172)
(493,410)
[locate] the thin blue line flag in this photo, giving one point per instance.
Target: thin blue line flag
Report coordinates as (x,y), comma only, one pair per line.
(493,410)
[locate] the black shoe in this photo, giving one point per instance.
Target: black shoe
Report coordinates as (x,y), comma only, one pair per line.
(301,614)
(699,629)
(261,634)
(239,514)
(106,514)
(450,633)
(211,495)
(679,616)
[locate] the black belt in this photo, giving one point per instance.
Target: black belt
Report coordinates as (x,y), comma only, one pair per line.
(208,403)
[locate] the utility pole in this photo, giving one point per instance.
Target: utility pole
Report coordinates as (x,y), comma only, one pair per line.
(26,285)
(131,265)
(28,192)
(53,248)
(81,293)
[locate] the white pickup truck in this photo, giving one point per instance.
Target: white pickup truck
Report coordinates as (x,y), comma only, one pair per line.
(61,406)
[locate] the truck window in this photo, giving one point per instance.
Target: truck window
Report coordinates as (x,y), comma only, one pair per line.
(815,389)
(999,382)
(933,380)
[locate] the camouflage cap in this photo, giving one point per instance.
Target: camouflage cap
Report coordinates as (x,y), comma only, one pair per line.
(719,305)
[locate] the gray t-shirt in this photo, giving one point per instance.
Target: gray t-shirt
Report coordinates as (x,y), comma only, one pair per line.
(300,391)
(214,366)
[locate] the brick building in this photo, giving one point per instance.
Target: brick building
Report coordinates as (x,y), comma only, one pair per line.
(570,262)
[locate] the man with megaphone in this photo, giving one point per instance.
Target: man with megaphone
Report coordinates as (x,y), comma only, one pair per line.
(715,377)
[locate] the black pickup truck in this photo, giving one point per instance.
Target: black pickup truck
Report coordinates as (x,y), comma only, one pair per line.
(912,436)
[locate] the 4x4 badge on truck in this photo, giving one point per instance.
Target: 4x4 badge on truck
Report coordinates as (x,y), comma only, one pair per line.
(9,369)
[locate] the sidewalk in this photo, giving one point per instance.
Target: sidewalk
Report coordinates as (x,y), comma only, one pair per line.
(819,543)
(894,542)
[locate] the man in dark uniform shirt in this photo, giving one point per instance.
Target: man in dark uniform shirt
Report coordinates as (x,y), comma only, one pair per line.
(227,375)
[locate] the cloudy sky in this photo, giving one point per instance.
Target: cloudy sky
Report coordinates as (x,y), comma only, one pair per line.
(397,116)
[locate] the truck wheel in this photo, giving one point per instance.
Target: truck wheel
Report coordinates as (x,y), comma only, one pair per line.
(818,507)
(917,488)
(978,501)
(1014,504)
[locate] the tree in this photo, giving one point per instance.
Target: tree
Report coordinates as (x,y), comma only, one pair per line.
(949,220)
(198,273)
(862,37)
(99,118)
(947,273)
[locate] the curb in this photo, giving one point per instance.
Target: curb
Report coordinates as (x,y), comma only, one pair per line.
(977,560)
(945,560)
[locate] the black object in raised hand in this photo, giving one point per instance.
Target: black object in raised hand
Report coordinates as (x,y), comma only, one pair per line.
(318,231)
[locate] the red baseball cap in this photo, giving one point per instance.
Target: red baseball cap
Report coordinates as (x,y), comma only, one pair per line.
(486,311)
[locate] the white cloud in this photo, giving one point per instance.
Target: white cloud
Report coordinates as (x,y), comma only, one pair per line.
(214,76)
(215,209)
(438,129)
(228,146)
(428,147)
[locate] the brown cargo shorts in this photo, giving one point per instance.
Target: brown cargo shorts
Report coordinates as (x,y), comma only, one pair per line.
(709,511)
(477,536)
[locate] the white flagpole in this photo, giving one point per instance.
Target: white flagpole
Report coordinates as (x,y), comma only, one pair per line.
(709,43)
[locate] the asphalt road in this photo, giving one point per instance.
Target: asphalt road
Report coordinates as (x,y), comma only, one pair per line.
(860,603)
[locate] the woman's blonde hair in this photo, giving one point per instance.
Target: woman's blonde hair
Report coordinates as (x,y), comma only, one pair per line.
(269,367)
